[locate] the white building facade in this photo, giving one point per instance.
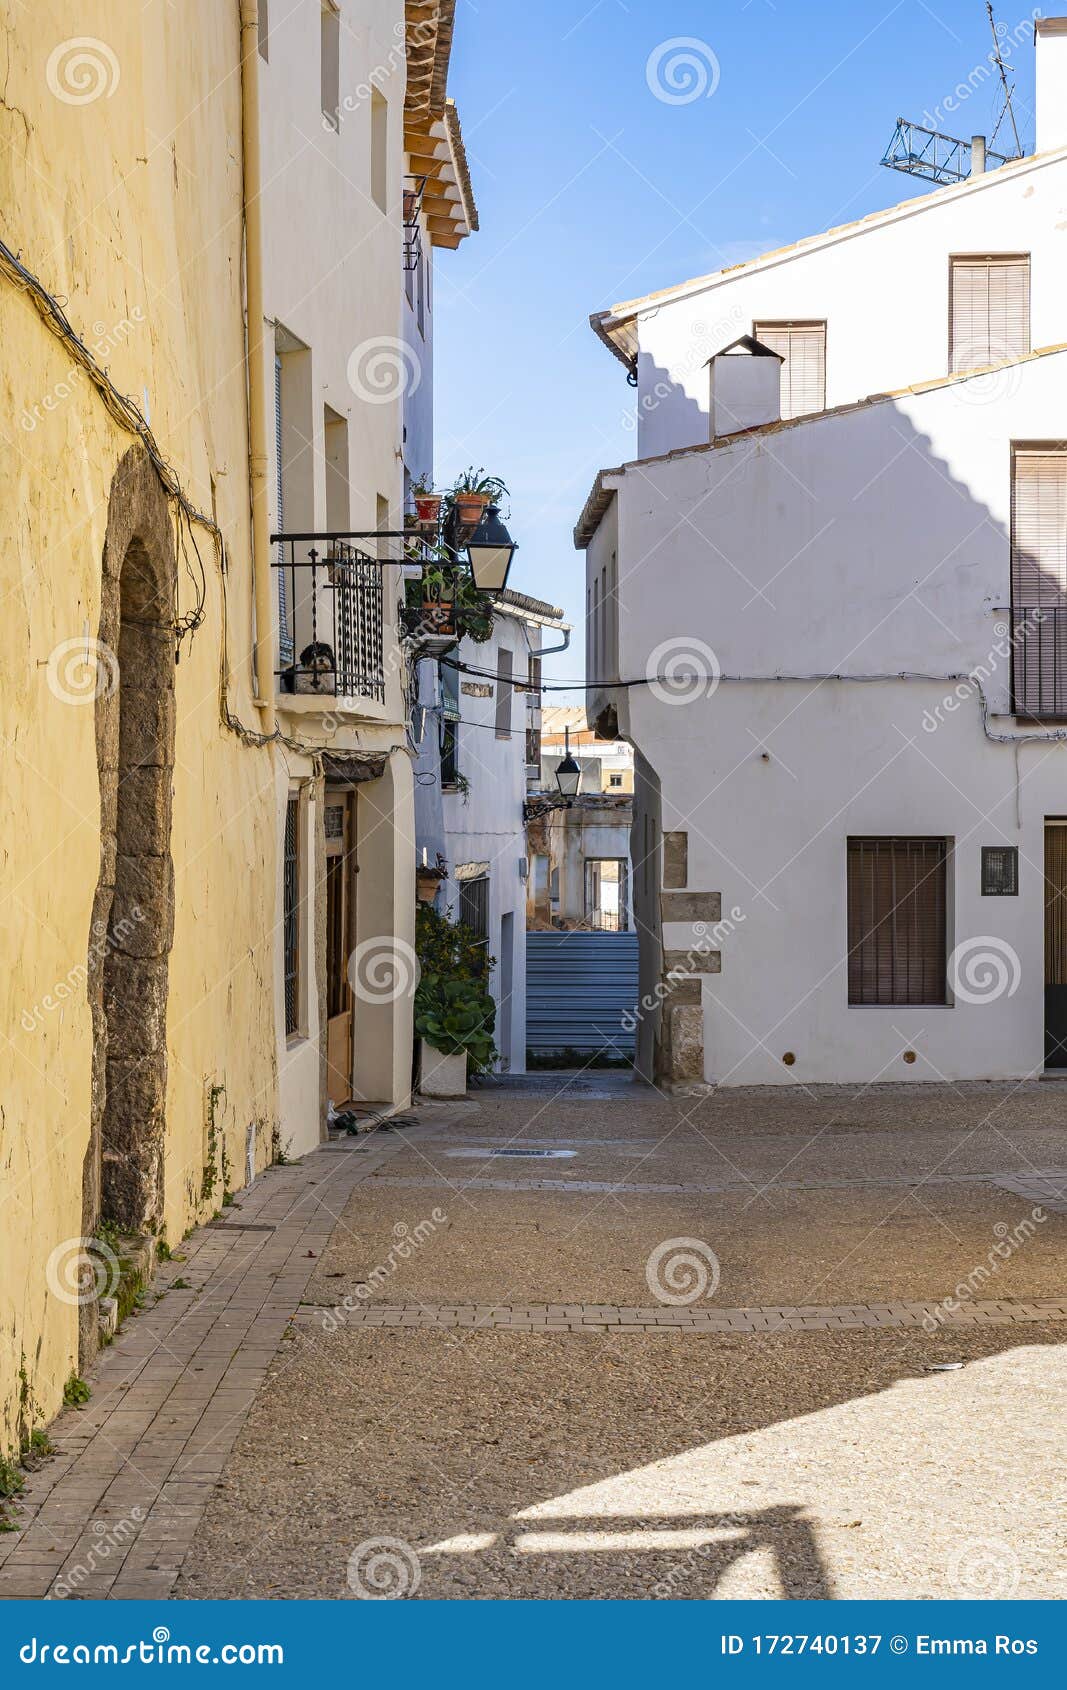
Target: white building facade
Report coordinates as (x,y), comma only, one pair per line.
(364,177)
(851,774)
(480,711)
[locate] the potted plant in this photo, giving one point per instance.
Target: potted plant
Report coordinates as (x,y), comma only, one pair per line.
(444,602)
(454,1011)
(427,503)
(473,491)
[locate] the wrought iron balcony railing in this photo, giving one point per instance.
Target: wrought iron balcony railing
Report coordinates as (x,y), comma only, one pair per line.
(330,617)
(1039,662)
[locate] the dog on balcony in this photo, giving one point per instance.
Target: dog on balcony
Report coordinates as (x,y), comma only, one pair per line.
(316,671)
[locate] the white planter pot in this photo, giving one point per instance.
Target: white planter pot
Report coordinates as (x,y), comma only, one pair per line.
(440,1075)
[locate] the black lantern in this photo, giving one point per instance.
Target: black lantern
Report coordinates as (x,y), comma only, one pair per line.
(490,550)
(568,773)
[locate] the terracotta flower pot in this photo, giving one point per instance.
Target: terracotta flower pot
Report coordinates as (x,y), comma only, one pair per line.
(428,507)
(470,508)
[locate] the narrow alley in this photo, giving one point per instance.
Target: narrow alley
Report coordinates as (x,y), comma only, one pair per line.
(570,1339)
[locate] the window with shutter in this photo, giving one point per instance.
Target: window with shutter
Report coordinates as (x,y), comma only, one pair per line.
(286,644)
(505,671)
(1039,581)
(897,896)
(990,310)
(803,347)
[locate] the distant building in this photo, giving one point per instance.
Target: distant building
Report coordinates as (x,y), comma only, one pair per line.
(477,725)
(580,856)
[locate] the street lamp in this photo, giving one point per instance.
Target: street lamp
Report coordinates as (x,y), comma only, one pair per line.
(568,773)
(490,550)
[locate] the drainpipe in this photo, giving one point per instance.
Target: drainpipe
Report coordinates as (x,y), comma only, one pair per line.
(257,395)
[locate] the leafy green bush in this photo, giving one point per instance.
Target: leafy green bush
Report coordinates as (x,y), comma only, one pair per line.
(454,1011)
(474,610)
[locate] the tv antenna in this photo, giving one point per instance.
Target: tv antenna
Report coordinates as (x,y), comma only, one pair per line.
(946,158)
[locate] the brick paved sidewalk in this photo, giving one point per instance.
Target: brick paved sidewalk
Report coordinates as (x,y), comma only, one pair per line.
(588,1317)
(114,1511)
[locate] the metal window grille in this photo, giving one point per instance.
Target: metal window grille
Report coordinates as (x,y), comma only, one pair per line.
(474,906)
(1039,583)
(291,914)
(1000,871)
(505,672)
(897,897)
(449,753)
(336,605)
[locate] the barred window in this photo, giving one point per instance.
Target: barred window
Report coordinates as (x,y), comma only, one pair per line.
(897,898)
(1000,871)
(291,915)
(474,906)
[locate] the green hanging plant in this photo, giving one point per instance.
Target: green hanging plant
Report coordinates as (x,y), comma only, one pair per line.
(454,1009)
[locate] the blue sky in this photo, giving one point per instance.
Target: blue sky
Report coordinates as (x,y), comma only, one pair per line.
(591,189)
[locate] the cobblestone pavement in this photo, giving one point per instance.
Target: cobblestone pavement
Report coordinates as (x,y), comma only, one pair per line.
(767,1342)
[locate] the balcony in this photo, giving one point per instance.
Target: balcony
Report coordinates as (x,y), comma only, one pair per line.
(330,617)
(1039,662)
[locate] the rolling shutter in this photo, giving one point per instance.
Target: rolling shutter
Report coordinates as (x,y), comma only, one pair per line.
(896,921)
(1039,582)
(990,311)
(803,346)
(285,634)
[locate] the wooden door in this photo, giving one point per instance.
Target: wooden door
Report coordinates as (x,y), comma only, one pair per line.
(340,897)
(1055,944)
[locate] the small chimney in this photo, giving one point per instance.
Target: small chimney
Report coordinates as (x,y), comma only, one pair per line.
(746,386)
(977,155)
(1050,44)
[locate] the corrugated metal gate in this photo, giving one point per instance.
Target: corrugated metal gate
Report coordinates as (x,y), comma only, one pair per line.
(578,988)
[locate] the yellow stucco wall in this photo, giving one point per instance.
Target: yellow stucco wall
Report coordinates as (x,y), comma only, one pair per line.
(127,205)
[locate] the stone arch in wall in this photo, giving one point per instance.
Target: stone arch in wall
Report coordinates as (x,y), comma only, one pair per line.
(133,910)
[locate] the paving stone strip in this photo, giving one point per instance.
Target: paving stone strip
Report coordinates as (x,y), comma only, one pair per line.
(603,1317)
(1045,1186)
(114,1512)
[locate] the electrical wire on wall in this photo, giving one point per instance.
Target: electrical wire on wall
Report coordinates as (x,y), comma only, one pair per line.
(128,415)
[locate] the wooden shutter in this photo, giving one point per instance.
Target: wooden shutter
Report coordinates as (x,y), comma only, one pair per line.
(990,310)
(503,693)
(803,346)
(896,921)
(1039,582)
